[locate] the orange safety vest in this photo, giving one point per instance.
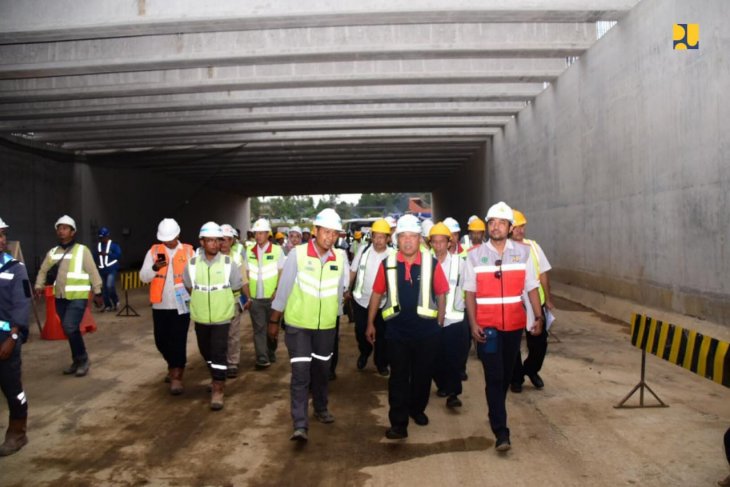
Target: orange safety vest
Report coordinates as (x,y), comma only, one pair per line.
(499,292)
(179,260)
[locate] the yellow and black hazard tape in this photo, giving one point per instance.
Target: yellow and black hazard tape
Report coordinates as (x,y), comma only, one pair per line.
(131,280)
(703,355)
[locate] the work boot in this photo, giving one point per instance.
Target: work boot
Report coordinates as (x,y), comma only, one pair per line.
(15,438)
(71,369)
(232,372)
(176,384)
(83,368)
(216,395)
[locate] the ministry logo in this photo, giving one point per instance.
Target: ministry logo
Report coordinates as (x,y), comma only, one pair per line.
(686,36)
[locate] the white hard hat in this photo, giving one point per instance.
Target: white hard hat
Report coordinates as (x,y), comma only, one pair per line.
(391,221)
(408,223)
(210,229)
(452,224)
(228,230)
(306,230)
(261,225)
(66,220)
(501,210)
(471,219)
(328,218)
(295,229)
(426,227)
(3,224)
(167,230)
(235,233)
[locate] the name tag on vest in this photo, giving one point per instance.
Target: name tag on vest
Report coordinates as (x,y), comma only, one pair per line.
(333,267)
(269,257)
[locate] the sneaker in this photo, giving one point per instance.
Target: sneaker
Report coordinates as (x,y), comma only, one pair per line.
(262,365)
(503,445)
(420,419)
(362,361)
(83,368)
(515,387)
(300,435)
(232,372)
(453,402)
(116,306)
(384,371)
(536,381)
(71,369)
(324,417)
(106,309)
(396,434)
(442,393)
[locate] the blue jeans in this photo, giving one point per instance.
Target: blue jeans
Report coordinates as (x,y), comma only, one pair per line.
(109,288)
(71,311)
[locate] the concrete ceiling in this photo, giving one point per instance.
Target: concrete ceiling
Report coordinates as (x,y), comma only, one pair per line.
(282,97)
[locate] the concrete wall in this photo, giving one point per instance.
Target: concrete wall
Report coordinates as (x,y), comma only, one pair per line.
(623,165)
(463,195)
(36,190)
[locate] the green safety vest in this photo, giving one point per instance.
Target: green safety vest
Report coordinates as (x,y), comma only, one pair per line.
(426,305)
(211,299)
(534,257)
(314,299)
(238,260)
(451,312)
(78,283)
(237,248)
(269,270)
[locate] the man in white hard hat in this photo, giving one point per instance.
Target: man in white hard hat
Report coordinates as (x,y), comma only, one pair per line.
(415,289)
(70,268)
(164,268)
(15,294)
(306,234)
(295,238)
(426,226)
(495,277)
(234,331)
(455,246)
(264,261)
(211,279)
(310,298)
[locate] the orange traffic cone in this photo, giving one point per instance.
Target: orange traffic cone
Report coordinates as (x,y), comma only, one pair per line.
(88,325)
(52,329)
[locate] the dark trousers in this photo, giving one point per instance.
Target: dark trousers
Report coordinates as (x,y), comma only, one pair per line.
(71,311)
(361,324)
(171,335)
(213,346)
(335,348)
(309,354)
(409,385)
(10,383)
(536,350)
(498,363)
(451,357)
(109,287)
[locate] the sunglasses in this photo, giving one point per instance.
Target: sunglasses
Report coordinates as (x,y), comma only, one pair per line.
(498,274)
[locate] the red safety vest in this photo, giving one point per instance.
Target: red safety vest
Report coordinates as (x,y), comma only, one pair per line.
(499,291)
(179,260)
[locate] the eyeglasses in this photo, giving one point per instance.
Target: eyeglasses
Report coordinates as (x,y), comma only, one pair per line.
(498,274)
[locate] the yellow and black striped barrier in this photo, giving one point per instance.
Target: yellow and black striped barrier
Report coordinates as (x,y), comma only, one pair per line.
(703,355)
(130,280)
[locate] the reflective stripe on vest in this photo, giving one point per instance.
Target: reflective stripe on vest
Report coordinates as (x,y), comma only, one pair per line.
(211,298)
(451,312)
(269,270)
(426,307)
(360,280)
(78,284)
(179,260)
(314,300)
(535,256)
(499,299)
(104,261)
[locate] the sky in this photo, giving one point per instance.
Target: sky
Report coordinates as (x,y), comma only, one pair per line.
(348,198)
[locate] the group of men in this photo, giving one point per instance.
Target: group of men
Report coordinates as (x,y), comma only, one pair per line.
(419,299)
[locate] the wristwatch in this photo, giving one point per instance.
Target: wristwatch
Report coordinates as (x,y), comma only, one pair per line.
(14,336)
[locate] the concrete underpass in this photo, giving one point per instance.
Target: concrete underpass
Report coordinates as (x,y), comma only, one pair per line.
(582,114)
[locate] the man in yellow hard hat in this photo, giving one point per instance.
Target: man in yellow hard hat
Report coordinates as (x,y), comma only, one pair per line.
(362,275)
(536,344)
(477,229)
(455,335)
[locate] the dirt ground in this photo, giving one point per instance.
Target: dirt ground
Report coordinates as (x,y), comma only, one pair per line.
(119,426)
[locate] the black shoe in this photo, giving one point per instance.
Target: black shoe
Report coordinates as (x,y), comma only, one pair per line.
(324,417)
(515,387)
(384,371)
(83,368)
(362,361)
(441,393)
(536,381)
(396,434)
(464,376)
(232,372)
(503,444)
(262,365)
(420,419)
(453,402)
(71,369)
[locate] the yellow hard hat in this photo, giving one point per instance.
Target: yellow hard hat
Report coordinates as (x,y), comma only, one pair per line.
(477,225)
(381,226)
(440,229)
(358,234)
(278,235)
(519,218)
